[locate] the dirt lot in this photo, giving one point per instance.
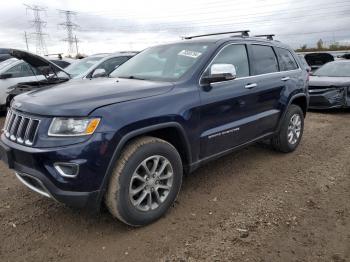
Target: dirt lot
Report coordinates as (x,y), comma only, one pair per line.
(253,205)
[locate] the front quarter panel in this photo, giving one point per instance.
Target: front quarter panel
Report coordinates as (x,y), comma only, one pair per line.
(180,105)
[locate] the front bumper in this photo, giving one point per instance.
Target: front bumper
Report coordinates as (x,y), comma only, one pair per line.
(326,98)
(35,168)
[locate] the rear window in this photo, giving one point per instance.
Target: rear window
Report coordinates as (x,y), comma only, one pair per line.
(286,60)
(264,60)
(318,59)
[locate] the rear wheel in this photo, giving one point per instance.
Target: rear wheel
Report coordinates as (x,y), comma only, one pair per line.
(145,182)
(291,131)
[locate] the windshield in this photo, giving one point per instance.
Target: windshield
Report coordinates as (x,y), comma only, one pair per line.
(334,69)
(162,63)
(7,62)
(82,66)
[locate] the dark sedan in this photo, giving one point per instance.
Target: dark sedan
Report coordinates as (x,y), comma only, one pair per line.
(329,86)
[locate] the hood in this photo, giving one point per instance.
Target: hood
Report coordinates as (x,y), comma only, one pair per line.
(327,81)
(44,66)
(81,97)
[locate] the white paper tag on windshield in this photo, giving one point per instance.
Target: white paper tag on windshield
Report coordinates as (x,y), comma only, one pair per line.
(189,53)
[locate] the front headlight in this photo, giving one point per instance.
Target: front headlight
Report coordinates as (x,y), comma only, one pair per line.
(62,126)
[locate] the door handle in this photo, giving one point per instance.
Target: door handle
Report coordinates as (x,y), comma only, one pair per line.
(249,86)
(285,78)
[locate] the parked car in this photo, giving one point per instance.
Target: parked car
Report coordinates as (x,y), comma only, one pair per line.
(316,60)
(63,63)
(329,86)
(128,139)
(25,72)
(99,65)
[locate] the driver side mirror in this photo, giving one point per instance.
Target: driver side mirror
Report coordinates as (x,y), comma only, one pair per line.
(99,72)
(220,72)
(5,76)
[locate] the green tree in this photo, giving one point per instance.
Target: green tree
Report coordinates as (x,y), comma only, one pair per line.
(303,47)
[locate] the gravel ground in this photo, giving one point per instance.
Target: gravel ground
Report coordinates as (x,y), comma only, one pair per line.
(253,205)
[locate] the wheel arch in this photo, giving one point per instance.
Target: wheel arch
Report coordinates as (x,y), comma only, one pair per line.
(299,100)
(171,132)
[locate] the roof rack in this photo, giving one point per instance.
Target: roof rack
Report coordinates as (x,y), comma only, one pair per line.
(268,37)
(244,33)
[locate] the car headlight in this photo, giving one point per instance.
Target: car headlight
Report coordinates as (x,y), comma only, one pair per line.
(62,126)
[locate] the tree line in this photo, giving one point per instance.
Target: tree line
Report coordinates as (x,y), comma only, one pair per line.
(321,47)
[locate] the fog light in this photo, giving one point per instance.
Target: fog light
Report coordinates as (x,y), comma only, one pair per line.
(70,170)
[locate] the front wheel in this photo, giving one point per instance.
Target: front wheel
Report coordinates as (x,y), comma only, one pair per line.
(145,181)
(291,131)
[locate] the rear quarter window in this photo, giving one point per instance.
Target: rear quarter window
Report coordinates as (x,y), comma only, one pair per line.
(264,60)
(286,59)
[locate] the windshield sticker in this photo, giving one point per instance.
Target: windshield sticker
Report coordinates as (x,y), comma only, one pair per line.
(189,53)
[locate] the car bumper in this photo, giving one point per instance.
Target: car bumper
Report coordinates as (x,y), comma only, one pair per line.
(35,169)
(329,98)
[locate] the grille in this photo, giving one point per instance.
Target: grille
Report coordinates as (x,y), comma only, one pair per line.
(21,128)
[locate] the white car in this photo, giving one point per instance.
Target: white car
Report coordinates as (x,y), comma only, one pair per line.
(12,72)
(27,71)
(99,65)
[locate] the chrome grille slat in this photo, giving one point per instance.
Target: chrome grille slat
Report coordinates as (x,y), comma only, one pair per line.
(7,119)
(21,128)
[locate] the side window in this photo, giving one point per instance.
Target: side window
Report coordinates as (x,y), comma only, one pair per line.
(110,64)
(20,70)
(235,55)
(264,60)
(286,60)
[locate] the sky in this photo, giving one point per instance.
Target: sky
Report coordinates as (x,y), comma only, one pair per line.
(114,25)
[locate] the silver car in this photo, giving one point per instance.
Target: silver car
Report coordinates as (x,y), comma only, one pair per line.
(99,65)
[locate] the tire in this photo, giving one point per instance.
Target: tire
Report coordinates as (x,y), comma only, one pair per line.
(282,141)
(130,175)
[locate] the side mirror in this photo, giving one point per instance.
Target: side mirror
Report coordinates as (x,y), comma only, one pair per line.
(99,72)
(5,76)
(221,72)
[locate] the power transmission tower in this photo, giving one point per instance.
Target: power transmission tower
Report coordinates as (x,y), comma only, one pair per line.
(38,24)
(69,26)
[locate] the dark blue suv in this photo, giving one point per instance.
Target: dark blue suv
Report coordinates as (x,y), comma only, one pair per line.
(127,140)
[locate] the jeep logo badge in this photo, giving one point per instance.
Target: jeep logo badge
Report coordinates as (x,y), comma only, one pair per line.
(18,105)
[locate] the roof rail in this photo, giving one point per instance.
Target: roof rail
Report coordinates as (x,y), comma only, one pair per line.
(244,33)
(268,37)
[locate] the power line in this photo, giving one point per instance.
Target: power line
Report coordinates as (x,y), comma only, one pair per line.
(38,24)
(69,26)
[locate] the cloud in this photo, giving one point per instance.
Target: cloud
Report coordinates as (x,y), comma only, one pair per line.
(109,25)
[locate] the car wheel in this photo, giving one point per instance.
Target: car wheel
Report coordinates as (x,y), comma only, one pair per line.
(145,182)
(291,131)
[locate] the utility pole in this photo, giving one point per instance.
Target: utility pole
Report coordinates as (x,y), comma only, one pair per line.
(76,44)
(26,39)
(38,24)
(69,26)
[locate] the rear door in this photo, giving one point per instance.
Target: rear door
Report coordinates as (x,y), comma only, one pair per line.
(270,87)
(290,74)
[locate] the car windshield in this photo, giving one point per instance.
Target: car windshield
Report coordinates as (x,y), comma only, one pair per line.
(162,63)
(82,65)
(334,69)
(7,62)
